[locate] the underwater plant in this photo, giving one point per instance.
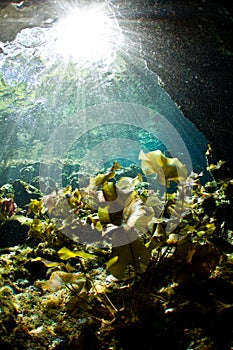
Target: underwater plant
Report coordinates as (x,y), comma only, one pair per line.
(7,208)
(118,252)
(137,224)
(120,213)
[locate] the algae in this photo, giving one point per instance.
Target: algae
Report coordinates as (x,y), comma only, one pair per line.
(57,293)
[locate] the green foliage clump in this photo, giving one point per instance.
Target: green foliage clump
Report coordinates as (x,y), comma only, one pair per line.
(119,254)
(9,311)
(138,225)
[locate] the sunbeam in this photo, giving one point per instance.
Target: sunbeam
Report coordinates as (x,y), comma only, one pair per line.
(88,35)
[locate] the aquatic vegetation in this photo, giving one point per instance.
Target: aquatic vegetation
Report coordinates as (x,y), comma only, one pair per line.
(166,169)
(124,213)
(147,256)
(7,208)
(9,311)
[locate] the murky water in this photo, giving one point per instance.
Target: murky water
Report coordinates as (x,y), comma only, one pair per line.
(81,94)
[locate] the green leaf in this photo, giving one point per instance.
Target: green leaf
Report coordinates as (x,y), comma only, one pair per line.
(100,179)
(166,168)
(134,254)
(216,166)
(65,254)
(48,263)
(111,262)
(37,206)
(210,228)
(103,213)
(200,233)
(23,220)
(38,226)
(109,191)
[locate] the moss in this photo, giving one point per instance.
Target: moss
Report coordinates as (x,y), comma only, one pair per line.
(8,310)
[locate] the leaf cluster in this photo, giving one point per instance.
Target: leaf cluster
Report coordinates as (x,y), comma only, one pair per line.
(135,224)
(120,213)
(135,236)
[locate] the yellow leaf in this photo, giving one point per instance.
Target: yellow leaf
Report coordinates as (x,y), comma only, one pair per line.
(37,206)
(166,168)
(103,214)
(111,262)
(216,166)
(49,263)
(109,191)
(100,179)
(210,228)
(65,254)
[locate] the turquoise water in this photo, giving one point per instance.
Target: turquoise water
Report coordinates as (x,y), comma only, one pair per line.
(86,112)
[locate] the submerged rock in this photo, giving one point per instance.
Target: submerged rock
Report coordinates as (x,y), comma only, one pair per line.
(12,233)
(24,192)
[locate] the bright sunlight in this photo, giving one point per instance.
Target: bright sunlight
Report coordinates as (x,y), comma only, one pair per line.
(88,35)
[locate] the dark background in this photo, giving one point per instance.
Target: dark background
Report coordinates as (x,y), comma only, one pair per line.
(187,43)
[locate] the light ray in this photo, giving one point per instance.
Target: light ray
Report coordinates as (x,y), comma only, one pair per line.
(88,35)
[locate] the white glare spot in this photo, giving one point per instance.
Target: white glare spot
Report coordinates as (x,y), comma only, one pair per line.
(169,310)
(88,35)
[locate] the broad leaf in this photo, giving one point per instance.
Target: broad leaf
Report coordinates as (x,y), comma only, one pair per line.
(103,213)
(23,220)
(132,212)
(134,255)
(49,263)
(109,191)
(100,179)
(127,184)
(136,215)
(59,279)
(166,168)
(65,254)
